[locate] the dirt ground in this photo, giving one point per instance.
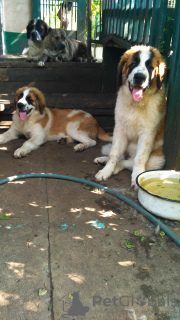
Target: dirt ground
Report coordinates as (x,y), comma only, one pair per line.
(74,252)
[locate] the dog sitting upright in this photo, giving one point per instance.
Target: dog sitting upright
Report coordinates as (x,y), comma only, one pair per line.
(40,124)
(37,30)
(139,115)
(57,47)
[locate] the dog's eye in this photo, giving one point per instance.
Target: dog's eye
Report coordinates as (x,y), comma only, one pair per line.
(57,38)
(29,100)
(135,62)
(20,96)
(149,64)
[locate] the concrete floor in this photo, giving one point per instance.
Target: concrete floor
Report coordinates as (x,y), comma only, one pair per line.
(67,251)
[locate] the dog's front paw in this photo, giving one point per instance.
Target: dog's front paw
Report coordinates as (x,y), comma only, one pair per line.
(134,175)
(19,153)
(102,175)
(41,64)
(80,147)
(100,160)
(134,185)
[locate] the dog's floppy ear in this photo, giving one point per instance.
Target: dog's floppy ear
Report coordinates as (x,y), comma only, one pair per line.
(18,92)
(28,28)
(160,67)
(119,80)
(39,99)
(49,30)
(121,74)
(160,73)
(46,30)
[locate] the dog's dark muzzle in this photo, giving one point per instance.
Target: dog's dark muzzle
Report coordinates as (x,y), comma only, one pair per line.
(21,106)
(62,46)
(139,79)
(35,36)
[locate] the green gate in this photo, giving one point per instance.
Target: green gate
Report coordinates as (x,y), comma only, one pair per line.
(52,12)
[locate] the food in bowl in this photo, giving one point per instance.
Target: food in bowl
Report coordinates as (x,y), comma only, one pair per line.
(166,188)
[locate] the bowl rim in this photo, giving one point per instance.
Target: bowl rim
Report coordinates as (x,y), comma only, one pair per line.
(152,194)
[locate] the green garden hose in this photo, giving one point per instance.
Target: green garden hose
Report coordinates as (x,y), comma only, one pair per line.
(110,191)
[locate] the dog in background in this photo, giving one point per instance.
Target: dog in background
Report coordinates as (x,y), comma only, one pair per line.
(57,47)
(139,115)
(37,30)
(40,124)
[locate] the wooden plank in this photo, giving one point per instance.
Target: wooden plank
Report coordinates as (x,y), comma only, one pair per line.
(26,74)
(20,62)
(49,74)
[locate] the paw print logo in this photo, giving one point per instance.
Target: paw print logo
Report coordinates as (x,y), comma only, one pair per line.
(141,301)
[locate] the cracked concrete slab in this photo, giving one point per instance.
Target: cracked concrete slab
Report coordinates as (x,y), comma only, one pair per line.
(70,251)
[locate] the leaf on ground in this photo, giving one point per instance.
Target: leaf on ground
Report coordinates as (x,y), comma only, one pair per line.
(5,217)
(42,292)
(87,187)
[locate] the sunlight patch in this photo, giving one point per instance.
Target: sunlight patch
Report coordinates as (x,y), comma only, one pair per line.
(17,182)
(90,209)
(34,204)
(17,268)
(31,306)
(3,148)
(5,297)
(106,214)
(126,263)
(77,238)
(76,277)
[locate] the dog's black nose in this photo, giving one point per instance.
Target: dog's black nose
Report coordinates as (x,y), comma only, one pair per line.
(34,35)
(62,46)
(139,78)
(20,105)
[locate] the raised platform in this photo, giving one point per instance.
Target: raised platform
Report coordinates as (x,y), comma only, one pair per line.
(65,85)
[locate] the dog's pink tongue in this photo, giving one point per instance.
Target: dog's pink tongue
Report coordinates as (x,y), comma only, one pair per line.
(22,115)
(137,94)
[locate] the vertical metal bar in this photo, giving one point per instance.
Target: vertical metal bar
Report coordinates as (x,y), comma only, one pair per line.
(118,17)
(54,12)
(109,17)
(105,18)
(135,21)
(140,24)
(148,14)
(113,17)
(89,11)
(100,21)
(125,20)
(130,21)
(49,7)
(120,20)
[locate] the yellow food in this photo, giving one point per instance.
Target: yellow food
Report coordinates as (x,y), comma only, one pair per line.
(167,188)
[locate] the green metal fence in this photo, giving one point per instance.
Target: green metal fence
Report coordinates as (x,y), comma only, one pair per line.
(128,22)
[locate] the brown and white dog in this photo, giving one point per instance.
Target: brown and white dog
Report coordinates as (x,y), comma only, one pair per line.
(37,30)
(40,124)
(139,115)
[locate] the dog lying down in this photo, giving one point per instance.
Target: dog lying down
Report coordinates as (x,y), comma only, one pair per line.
(40,124)
(57,47)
